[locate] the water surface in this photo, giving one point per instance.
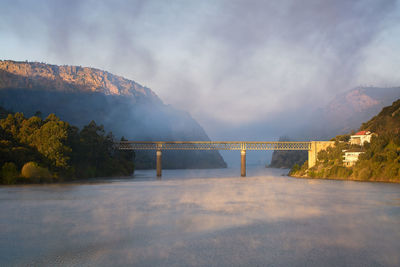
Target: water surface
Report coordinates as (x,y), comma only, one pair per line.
(202,218)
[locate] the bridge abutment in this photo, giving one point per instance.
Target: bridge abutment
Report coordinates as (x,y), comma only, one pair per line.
(315,147)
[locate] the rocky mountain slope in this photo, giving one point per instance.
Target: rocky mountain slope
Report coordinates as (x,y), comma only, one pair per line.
(79,95)
(43,76)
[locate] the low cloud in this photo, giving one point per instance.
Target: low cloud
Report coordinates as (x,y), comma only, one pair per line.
(226,62)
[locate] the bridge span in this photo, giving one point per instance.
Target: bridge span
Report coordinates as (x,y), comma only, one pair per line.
(313,147)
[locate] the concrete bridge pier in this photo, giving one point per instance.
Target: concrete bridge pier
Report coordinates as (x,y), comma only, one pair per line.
(158,163)
(243,163)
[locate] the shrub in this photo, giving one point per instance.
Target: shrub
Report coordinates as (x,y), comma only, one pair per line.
(33,170)
(295,168)
(9,173)
(364,174)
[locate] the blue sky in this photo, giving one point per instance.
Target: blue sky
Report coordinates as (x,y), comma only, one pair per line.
(228,63)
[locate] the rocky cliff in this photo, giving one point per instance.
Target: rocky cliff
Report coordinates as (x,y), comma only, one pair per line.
(43,76)
(79,95)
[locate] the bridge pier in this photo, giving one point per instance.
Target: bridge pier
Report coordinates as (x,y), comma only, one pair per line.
(158,163)
(243,163)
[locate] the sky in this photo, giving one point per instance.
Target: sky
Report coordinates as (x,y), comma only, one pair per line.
(230,64)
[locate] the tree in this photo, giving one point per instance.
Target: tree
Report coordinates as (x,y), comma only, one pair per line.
(9,173)
(50,141)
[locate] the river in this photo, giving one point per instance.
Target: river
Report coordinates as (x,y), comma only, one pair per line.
(202,218)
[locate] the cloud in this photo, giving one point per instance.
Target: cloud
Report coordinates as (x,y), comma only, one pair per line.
(229,62)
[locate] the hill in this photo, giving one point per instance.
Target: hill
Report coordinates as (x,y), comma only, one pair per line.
(344,113)
(34,150)
(286,159)
(378,160)
(387,121)
(79,95)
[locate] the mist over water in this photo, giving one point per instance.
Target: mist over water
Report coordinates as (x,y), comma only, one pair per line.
(202,218)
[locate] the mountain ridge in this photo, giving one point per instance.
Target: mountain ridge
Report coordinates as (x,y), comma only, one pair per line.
(348,110)
(83,78)
(79,95)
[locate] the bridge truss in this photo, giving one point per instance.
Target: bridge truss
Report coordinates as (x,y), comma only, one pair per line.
(212,145)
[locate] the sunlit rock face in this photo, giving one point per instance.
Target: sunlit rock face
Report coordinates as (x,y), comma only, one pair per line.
(69,79)
(79,95)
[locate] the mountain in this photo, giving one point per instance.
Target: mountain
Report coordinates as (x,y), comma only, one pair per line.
(379,159)
(346,111)
(386,122)
(80,94)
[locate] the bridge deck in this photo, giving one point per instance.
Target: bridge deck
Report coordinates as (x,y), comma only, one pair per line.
(212,145)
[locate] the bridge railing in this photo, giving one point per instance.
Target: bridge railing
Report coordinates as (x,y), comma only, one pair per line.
(211,145)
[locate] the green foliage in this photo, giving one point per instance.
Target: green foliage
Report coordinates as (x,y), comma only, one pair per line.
(386,122)
(9,173)
(295,168)
(94,153)
(342,138)
(287,159)
(49,140)
(45,149)
(31,170)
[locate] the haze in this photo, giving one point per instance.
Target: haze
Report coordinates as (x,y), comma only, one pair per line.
(231,64)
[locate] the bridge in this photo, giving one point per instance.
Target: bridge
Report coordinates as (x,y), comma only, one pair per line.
(313,147)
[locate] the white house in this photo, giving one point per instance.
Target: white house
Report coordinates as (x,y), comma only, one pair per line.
(361,137)
(351,157)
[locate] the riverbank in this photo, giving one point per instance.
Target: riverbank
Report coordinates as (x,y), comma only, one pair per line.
(94,180)
(383,180)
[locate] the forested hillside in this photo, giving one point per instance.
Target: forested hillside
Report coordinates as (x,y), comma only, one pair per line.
(380,160)
(34,150)
(286,158)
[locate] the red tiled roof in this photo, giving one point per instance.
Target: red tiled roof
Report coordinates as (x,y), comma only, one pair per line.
(362,133)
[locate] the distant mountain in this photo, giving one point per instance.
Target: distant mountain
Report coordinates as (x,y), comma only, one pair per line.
(79,95)
(348,110)
(41,76)
(379,159)
(344,113)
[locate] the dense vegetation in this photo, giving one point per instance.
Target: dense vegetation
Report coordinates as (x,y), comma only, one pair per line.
(380,160)
(33,150)
(287,159)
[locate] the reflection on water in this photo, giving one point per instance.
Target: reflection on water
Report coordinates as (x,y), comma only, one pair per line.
(202,217)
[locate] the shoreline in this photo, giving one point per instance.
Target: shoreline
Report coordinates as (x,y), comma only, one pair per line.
(94,180)
(343,179)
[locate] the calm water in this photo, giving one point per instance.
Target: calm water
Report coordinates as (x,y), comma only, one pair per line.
(202,218)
